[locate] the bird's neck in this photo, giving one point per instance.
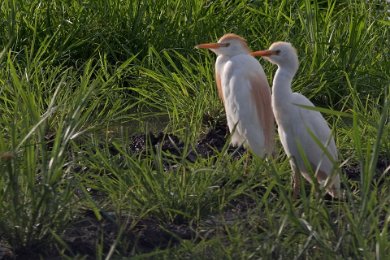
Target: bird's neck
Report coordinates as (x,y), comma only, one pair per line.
(281,88)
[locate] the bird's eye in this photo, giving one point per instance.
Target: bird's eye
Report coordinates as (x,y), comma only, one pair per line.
(277,52)
(226,44)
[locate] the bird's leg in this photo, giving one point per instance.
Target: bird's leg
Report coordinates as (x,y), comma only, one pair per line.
(296,184)
(295,179)
(246,171)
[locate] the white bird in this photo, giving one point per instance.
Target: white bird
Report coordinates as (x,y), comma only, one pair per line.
(245,93)
(301,129)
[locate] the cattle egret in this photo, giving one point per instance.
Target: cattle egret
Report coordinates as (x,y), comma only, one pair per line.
(245,93)
(304,133)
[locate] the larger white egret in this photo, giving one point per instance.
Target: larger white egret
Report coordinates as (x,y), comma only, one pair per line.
(244,90)
(304,133)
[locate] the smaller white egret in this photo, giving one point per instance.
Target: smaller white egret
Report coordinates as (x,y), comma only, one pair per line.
(246,95)
(300,129)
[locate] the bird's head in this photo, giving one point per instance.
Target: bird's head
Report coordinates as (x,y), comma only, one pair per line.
(230,44)
(282,54)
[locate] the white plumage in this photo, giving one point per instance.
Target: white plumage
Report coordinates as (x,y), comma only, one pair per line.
(244,90)
(301,129)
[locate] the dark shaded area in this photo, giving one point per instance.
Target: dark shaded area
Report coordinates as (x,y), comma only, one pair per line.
(144,235)
(352,171)
(140,235)
(214,141)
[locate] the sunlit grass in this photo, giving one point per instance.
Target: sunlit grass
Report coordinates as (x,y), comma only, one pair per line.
(79,79)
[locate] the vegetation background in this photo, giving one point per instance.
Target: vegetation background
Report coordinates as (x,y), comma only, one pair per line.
(82,81)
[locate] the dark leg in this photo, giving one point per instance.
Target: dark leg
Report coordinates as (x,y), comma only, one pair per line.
(296,184)
(246,171)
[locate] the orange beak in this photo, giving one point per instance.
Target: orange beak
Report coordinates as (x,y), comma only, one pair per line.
(264,53)
(211,45)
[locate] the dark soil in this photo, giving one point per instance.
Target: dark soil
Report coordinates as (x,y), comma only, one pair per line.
(141,236)
(213,141)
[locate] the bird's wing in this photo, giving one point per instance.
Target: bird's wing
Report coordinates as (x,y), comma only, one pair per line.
(261,97)
(313,123)
(251,91)
(219,85)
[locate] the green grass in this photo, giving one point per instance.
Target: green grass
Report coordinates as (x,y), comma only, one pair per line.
(78,78)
